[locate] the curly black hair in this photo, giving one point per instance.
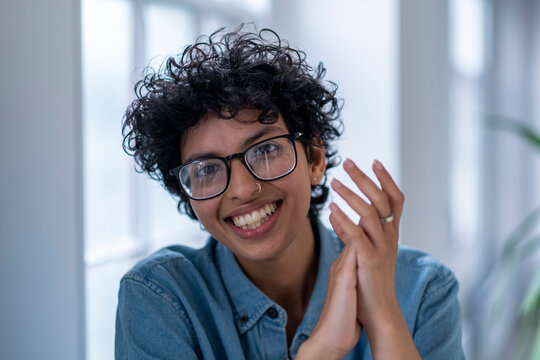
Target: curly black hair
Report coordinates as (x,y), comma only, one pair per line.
(222,74)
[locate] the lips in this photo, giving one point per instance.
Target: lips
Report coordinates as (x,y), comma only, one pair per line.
(256,218)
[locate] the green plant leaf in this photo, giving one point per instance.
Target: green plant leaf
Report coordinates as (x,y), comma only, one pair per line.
(536,345)
(528,248)
(521,232)
(531,303)
(518,247)
(505,123)
(501,288)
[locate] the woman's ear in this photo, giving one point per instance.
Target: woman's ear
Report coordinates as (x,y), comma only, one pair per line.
(318,161)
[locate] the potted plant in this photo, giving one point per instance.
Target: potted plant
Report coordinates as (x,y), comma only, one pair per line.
(522,244)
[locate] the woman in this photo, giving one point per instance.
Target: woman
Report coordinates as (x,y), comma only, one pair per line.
(241,129)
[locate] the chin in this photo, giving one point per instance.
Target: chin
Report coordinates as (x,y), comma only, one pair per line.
(260,252)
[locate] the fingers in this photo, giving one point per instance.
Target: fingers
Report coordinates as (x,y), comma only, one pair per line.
(395,195)
(338,229)
(345,267)
(345,229)
(376,196)
(383,201)
(375,244)
(338,329)
(370,216)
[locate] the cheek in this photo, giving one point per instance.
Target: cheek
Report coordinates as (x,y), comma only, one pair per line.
(307,189)
(301,187)
(205,210)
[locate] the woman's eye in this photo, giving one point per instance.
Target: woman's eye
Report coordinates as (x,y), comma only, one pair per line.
(266,149)
(207,171)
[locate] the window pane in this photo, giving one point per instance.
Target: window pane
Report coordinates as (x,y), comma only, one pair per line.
(211,22)
(467,24)
(106,57)
(466,49)
(168,28)
(166,225)
(257,6)
(101,300)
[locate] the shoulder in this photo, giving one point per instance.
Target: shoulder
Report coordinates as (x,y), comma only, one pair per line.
(175,271)
(173,259)
(160,292)
(424,287)
(413,265)
(427,293)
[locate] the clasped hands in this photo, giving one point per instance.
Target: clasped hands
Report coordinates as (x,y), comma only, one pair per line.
(361,287)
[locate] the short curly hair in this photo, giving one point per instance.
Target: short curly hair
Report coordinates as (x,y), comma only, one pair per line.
(222,74)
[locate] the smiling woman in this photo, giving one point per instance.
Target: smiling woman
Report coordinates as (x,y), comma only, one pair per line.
(240,128)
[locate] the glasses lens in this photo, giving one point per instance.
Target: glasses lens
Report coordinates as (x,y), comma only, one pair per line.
(271,159)
(204,178)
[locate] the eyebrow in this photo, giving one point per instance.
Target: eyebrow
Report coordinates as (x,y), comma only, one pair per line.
(245,144)
(259,134)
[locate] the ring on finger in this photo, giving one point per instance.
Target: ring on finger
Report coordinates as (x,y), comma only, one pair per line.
(387,219)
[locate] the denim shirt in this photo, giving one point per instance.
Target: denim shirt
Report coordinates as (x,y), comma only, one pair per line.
(183,303)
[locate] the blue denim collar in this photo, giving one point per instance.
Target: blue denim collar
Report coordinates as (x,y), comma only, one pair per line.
(250,303)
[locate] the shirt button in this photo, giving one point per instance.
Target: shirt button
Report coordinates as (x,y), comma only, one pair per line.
(244,318)
(272,313)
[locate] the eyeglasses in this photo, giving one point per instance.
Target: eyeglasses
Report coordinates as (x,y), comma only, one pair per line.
(209,176)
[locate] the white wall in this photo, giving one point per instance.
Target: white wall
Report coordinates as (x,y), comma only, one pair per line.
(424,115)
(41,245)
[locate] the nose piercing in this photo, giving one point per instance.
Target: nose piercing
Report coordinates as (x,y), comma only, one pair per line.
(259,185)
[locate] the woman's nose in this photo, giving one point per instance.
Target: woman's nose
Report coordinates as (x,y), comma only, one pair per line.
(242,184)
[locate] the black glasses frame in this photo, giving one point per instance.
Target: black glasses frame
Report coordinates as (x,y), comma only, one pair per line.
(242,156)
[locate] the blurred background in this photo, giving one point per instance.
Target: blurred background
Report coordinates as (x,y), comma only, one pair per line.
(444,93)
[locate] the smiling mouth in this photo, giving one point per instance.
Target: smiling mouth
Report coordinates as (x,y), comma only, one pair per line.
(256,218)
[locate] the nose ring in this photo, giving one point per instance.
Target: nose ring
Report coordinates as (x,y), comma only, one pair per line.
(259,185)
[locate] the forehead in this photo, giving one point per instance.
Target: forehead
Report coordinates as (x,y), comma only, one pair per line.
(222,137)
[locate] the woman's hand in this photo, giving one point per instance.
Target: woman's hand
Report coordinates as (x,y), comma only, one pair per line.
(375,241)
(338,329)
(361,282)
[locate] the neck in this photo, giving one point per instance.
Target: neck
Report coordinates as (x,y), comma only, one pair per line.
(290,278)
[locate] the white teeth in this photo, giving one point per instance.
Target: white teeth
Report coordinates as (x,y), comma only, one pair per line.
(242,221)
(256,218)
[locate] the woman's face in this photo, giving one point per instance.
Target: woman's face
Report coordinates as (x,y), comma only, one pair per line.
(285,201)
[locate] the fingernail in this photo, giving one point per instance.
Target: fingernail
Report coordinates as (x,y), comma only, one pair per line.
(348,164)
(336,183)
(333,206)
(378,164)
